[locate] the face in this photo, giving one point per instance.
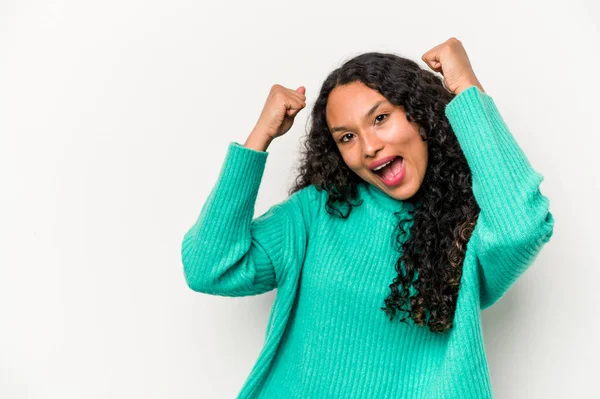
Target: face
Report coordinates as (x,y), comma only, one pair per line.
(367,128)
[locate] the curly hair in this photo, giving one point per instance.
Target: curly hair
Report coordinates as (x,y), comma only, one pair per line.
(445,210)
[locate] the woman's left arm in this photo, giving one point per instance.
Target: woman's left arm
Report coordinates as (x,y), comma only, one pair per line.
(514,222)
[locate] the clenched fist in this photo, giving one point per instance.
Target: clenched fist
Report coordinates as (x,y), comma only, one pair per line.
(280,109)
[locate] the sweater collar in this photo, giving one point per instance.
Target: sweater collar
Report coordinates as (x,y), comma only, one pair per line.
(381,199)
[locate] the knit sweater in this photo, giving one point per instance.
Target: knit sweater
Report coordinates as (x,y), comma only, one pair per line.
(327,336)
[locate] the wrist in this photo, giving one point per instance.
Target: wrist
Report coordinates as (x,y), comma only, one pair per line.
(258,141)
(466,85)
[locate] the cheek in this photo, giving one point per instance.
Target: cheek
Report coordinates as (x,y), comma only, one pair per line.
(414,142)
(422,158)
(401,134)
(351,160)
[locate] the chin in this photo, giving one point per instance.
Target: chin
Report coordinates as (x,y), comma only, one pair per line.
(401,192)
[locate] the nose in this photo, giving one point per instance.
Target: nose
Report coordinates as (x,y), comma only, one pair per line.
(372,143)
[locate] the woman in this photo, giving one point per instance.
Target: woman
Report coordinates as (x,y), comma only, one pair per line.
(413,198)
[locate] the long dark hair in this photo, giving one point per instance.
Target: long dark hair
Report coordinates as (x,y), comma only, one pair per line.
(445,210)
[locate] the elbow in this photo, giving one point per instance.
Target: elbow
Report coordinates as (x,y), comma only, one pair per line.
(199,271)
(502,262)
(192,277)
(193,281)
(195,274)
(530,235)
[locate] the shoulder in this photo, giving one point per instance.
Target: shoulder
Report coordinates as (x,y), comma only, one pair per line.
(309,200)
(308,195)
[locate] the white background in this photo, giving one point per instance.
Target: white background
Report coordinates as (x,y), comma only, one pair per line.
(115,117)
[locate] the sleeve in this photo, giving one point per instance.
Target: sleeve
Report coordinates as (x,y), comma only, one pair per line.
(227,253)
(514,222)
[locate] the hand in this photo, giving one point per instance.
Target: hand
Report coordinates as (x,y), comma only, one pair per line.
(280,109)
(451,60)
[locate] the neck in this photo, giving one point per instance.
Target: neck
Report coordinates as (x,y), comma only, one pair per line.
(383,200)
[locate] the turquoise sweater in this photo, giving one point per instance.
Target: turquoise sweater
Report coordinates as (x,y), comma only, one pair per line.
(327,336)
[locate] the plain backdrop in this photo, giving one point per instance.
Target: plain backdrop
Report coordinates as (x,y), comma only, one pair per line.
(115,118)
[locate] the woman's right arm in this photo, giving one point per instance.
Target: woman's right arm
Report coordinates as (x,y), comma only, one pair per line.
(226,252)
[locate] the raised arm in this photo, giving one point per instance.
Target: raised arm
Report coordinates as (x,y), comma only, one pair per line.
(515,221)
(226,252)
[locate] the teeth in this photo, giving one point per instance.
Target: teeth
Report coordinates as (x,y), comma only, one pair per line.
(383,166)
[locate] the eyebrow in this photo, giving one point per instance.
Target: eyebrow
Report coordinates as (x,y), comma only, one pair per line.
(369,113)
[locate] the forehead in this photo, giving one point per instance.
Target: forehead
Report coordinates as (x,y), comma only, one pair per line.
(351,101)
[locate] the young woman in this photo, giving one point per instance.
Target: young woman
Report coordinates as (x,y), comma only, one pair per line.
(412,198)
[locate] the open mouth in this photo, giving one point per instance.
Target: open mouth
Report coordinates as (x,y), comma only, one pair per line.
(391,173)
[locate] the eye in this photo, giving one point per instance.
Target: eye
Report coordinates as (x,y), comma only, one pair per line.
(342,138)
(381,120)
